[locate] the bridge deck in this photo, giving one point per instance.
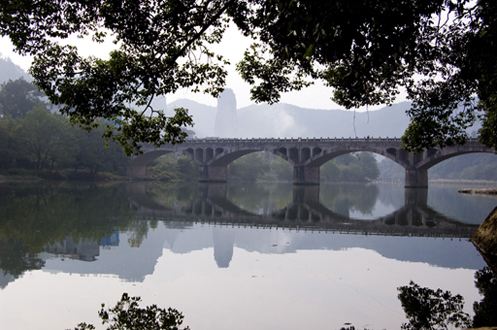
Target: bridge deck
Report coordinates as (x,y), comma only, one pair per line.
(306,155)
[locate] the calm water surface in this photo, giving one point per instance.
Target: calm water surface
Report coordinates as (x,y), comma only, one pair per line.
(236,256)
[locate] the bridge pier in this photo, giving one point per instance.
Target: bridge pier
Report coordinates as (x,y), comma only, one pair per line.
(305,175)
(212,173)
(416,178)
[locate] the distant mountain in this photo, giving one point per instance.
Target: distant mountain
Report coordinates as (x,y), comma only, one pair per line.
(279,120)
(11,71)
(285,120)
(204,116)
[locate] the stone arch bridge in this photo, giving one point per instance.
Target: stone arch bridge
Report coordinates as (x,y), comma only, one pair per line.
(306,155)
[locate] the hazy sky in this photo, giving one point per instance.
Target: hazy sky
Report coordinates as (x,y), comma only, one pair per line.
(232,46)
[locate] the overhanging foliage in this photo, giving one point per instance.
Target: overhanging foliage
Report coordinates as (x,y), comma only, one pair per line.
(441,51)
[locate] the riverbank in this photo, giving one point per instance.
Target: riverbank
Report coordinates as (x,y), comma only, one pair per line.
(19,178)
(485,239)
(491,191)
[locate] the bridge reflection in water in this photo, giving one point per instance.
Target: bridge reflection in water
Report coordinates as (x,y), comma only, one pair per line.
(305,212)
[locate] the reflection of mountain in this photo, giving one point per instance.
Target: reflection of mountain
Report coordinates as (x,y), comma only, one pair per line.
(115,255)
(224,240)
(133,264)
(5,279)
(436,252)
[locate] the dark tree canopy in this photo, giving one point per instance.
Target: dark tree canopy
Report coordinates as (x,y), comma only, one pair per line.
(441,51)
(486,282)
(128,315)
(428,309)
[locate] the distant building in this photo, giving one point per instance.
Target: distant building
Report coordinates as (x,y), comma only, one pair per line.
(84,249)
(111,240)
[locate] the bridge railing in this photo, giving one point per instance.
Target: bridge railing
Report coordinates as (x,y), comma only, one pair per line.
(299,139)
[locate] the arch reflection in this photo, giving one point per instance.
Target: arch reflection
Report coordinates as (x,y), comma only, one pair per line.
(211,204)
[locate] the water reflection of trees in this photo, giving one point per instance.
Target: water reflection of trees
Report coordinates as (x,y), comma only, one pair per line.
(252,197)
(37,217)
(53,212)
(260,198)
(171,194)
(264,198)
(15,258)
(34,217)
(47,217)
(343,199)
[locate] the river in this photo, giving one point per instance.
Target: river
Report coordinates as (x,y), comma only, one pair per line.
(233,256)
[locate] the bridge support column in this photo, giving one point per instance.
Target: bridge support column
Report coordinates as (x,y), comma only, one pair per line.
(416,178)
(212,173)
(305,175)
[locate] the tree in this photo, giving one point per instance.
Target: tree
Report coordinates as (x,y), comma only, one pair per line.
(248,168)
(360,167)
(127,315)
(44,138)
(163,46)
(96,155)
(441,51)
(279,170)
(430,309)
(170,167)
(486,282)
(8,142)
(18,97)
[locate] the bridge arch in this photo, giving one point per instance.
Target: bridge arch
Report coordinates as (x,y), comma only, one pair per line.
(306,155)
(439,157)
(397,155)
(138,166)
(216,170)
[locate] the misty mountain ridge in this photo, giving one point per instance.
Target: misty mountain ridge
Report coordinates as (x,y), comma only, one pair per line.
(276,121)
(11,71)
(288,121)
